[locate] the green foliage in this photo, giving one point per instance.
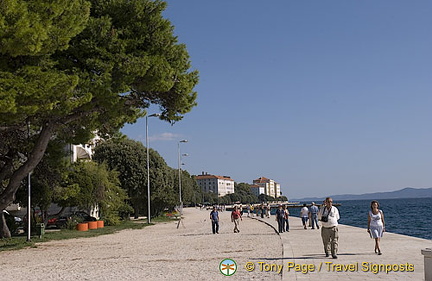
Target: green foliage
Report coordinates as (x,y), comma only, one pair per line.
(242,193)
(164,190)
(30,33)
(113,205)
(16,243)
(46,178)
(72,69)
(129,159)
(111,219)
(91,184)
(265,198)
(88,182)
(71,224)
(245,193)
(114,58)
(191,192)
(40,27)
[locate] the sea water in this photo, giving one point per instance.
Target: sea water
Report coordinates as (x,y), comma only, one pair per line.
(411,216)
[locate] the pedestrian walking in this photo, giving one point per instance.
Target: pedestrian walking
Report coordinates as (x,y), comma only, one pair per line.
(235,218)
(280,218)
(286,218)
(304,215)
(268,211)
(329,217)
(313,210)
(376,225)
(214,217)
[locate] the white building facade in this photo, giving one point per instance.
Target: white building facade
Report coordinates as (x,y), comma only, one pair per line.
(269,186)
(220,185)
(257,190)
(83,151)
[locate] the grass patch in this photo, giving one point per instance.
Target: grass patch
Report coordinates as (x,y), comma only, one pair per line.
(14,243)
(70,234)
(20,242)
(163,219)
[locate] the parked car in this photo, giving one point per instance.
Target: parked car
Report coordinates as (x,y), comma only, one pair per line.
(61,221)
(57,221)
(14,223)
(82,216)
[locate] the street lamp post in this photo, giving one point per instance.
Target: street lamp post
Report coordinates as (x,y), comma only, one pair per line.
(29,207)
(148,167)
(179,169)
(28,195)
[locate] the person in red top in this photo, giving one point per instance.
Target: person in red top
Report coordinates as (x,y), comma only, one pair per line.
(235,218)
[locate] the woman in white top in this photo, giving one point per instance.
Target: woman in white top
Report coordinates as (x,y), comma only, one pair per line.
(376,225)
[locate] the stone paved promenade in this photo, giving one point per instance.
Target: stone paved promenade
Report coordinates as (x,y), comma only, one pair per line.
(192,252)
(356,257)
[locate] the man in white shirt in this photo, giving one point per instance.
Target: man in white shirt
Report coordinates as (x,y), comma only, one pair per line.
(329,217)
(304,214)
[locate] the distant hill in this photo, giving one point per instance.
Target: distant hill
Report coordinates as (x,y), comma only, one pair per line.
(408,192)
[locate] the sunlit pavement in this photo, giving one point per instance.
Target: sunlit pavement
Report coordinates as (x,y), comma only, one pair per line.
(304,259)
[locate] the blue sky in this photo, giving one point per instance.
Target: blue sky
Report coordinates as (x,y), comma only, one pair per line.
(324,97)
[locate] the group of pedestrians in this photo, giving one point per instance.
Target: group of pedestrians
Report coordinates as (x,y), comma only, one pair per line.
(263,210)
(310,213)
(327,214)
(236,217)
(282,218)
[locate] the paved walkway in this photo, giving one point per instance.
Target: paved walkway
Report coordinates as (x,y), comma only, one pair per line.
(304,258)
(192,252)
(157,252)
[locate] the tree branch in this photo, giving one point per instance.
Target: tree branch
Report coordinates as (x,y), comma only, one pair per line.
(8,195)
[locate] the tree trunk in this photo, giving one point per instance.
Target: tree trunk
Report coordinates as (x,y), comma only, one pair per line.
(4,230)
(136,213)
(8,195)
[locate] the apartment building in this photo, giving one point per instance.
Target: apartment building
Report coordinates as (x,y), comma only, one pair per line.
(220,185)
(257,190)
(83,151)
(269,186)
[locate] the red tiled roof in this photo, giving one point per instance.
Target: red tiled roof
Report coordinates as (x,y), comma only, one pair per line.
(261,180)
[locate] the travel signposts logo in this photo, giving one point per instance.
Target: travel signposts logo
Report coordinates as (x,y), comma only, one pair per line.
(228,267)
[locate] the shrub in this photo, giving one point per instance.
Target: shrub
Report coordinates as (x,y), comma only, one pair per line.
(111,219)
